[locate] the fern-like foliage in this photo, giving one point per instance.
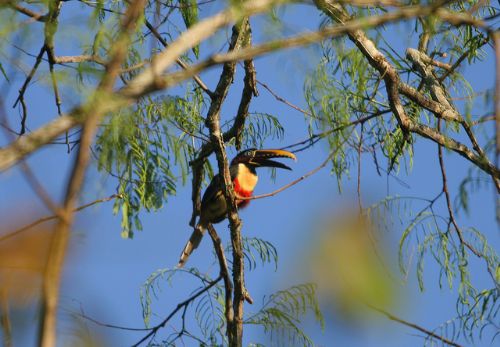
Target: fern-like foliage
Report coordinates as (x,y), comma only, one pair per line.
(142,150)
(427,235)
(260,127)
(282,312)
(257,250)
(153,286)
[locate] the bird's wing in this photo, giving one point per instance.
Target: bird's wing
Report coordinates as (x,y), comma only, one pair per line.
(213,203)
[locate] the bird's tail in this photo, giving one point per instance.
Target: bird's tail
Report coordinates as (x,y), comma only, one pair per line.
(192,244)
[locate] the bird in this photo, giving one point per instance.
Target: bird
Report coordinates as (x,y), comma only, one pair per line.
(244,177)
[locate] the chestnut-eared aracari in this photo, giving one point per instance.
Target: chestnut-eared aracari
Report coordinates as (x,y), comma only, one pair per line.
(244,177)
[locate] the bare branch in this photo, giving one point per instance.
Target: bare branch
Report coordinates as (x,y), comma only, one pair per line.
(286,102)
(224,273)
(150,81)
(183,304)
(413,326)
(238,40)
(249,87)
(28,79)
(53,217)
(79,59)
(496,40)
(294,182)
(179,61)
(36,16)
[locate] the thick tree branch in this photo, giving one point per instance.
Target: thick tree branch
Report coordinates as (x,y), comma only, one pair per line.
(59,242)
(146,83)
(393,84)
(238,40)
(224,273)
(422,62)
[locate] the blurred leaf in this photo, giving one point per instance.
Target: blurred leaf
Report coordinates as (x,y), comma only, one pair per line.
(189,11)
(22,263)
(347,268)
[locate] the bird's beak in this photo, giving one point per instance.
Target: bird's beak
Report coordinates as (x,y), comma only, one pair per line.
(261,157)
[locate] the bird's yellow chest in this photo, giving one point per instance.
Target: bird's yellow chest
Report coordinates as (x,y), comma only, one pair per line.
(246,179)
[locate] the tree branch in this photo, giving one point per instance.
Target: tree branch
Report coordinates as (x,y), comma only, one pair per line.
(183,304)
(52,217)
(149,81)
(393,84)
(294,182)
(36,16)
(179,61)
(224,273)
(59,242)
(238,39)
(413,326)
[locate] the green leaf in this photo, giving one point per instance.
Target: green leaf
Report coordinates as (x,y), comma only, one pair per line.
(189,11)
(3,72)
(281,313)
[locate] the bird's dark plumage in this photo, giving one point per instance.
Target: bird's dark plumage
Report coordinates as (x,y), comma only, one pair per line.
(244,177)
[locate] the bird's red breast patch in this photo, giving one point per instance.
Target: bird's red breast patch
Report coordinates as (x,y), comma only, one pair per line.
(242,193)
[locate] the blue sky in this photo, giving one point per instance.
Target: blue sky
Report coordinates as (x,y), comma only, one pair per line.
(104,272)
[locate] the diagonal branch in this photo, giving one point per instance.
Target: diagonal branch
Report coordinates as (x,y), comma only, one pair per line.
(183,304)
(27,12)
(149,81)
(53,217)
(422,63)
(413,326)
(146,82)
(179,61)
(393,84)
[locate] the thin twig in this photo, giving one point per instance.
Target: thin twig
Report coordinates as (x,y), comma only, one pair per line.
(448,200)
(459,61)
(294,182)
(179,61)
(52,217)
(112,326)
(27,81)
(183,304)
(413,325)
(286,102)
(360,146)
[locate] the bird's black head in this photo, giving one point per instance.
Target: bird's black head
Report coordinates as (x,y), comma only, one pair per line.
(261,158)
